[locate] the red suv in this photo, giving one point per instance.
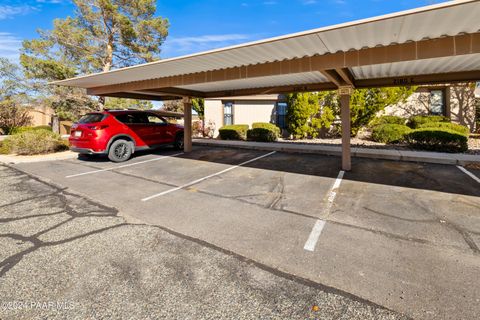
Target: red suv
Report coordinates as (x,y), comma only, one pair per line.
(119,134)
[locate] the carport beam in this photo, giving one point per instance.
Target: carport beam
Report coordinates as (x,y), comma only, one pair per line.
(345,92)
(187,125)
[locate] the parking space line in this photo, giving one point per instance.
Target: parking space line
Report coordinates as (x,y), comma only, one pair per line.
(468,173)
(206,177)
(320,224)
(122,166)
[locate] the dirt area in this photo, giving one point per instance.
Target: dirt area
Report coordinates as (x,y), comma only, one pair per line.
(473,144)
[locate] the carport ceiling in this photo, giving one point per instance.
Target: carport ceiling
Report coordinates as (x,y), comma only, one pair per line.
(434,44)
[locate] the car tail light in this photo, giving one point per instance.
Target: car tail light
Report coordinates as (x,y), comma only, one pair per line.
(101,127)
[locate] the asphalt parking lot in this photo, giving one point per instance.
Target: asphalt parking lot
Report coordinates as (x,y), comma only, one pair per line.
(404,236)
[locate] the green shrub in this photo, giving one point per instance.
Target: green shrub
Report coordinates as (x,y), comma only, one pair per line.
(25,129)
(262,135)
(416,121)
(438,140)
(266,125)
(390,133)
(34,142)
(446,125)
(3,148)
(234,132)
(386,120)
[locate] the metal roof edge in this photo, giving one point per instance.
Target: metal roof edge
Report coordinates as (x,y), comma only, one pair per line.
(422,9)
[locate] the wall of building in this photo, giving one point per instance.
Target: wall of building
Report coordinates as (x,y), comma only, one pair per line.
(248,112)
(244,112)
(214,114)
(459,104)
(41,116)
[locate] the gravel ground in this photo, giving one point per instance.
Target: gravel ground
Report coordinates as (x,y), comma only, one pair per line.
(473,144)
(66,257)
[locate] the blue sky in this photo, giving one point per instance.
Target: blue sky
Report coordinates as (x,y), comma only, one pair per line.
(202,25)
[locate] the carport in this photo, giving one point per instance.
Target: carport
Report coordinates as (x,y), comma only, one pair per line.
(429,45)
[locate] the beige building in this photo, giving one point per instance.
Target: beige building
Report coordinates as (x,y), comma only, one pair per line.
(454,101)
(245,110)
(43,116)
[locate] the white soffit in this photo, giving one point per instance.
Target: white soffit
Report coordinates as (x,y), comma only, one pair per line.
(260,82)
(469,62)
(445,19)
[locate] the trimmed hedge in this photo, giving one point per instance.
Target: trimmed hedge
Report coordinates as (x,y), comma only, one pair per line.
(262,135)
(30,142)
(386,120)
(432,139)
(266,125)
(446,125)
(25,129)
(416,121)
(234,132)
(390,133)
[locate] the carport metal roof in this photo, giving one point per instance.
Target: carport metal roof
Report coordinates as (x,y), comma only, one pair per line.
(433,44)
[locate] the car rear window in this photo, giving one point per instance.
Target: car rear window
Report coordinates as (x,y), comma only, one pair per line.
(132,118)
(92,118)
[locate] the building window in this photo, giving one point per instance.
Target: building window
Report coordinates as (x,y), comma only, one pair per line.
(281,112)
(437,102)
(228,113)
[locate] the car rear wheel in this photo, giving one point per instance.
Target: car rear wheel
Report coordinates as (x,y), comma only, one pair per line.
(120,150)
(178,144)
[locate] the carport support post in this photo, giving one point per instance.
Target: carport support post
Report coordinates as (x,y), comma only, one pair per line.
(345,93)
(187,125)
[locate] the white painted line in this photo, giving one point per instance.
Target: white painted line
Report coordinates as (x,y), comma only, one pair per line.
(205,178)
(122,166)
(468,173)
(314,235)
(320,224)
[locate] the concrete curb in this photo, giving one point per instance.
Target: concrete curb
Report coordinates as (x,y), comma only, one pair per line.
(14,159)
(386,154)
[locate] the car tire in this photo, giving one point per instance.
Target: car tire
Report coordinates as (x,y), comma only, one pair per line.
(178,143)
(120,150)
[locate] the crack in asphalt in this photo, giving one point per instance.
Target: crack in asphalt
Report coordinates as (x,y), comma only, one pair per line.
(444,221)
(280,185)
(110,213)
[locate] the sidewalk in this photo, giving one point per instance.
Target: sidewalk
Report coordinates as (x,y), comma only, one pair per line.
(400,155)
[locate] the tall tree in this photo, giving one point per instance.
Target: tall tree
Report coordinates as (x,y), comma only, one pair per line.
(310,113)
(366,103)
(102,34)
(14,97)
(302,107)
(173,105)
(198,104)
(122,103)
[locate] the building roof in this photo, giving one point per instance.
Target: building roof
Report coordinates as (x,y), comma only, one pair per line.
(408,47)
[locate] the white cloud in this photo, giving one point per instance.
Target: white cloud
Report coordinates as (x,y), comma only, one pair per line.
(9,46)
(50,1)
(185,45)
(308,2)
(7,11)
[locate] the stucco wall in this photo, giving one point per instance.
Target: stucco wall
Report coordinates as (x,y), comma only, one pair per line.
(214,114)
(41,116)
(244,112)
(460,105)
(248,112)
